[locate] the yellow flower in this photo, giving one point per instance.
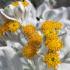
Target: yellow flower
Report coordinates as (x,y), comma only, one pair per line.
(29,51)
(54,44)
(28,30)
(15,3)
(52,60)
(58,25)
(5,26)
(35,39)
(25,3)
(13,26)
(47,25)
(50,24)
(51,34)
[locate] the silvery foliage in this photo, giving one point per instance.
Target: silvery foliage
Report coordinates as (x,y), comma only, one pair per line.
(10,57)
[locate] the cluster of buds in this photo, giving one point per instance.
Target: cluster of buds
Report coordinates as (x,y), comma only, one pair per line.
(34,41)
(54,44)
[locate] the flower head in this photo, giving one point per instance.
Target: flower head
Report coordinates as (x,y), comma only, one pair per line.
(15,3)
(25,3)
(51,34)
(29,51)
(35,39)
(28,30)
(54,44)
(58,25)
(5,26)
(52,60)
(47,25)
(50,24)
(13,26)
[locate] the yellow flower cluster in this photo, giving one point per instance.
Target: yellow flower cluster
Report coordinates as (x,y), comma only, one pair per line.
(50,34)
(12,26)
(29,51)
(54,44)
(15,3)
(52,40)
(58,25)
(24,3)
(51,25)
(3,29)
(28,30)
(5,26)
(52,60)
(34,40)
(47,25)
